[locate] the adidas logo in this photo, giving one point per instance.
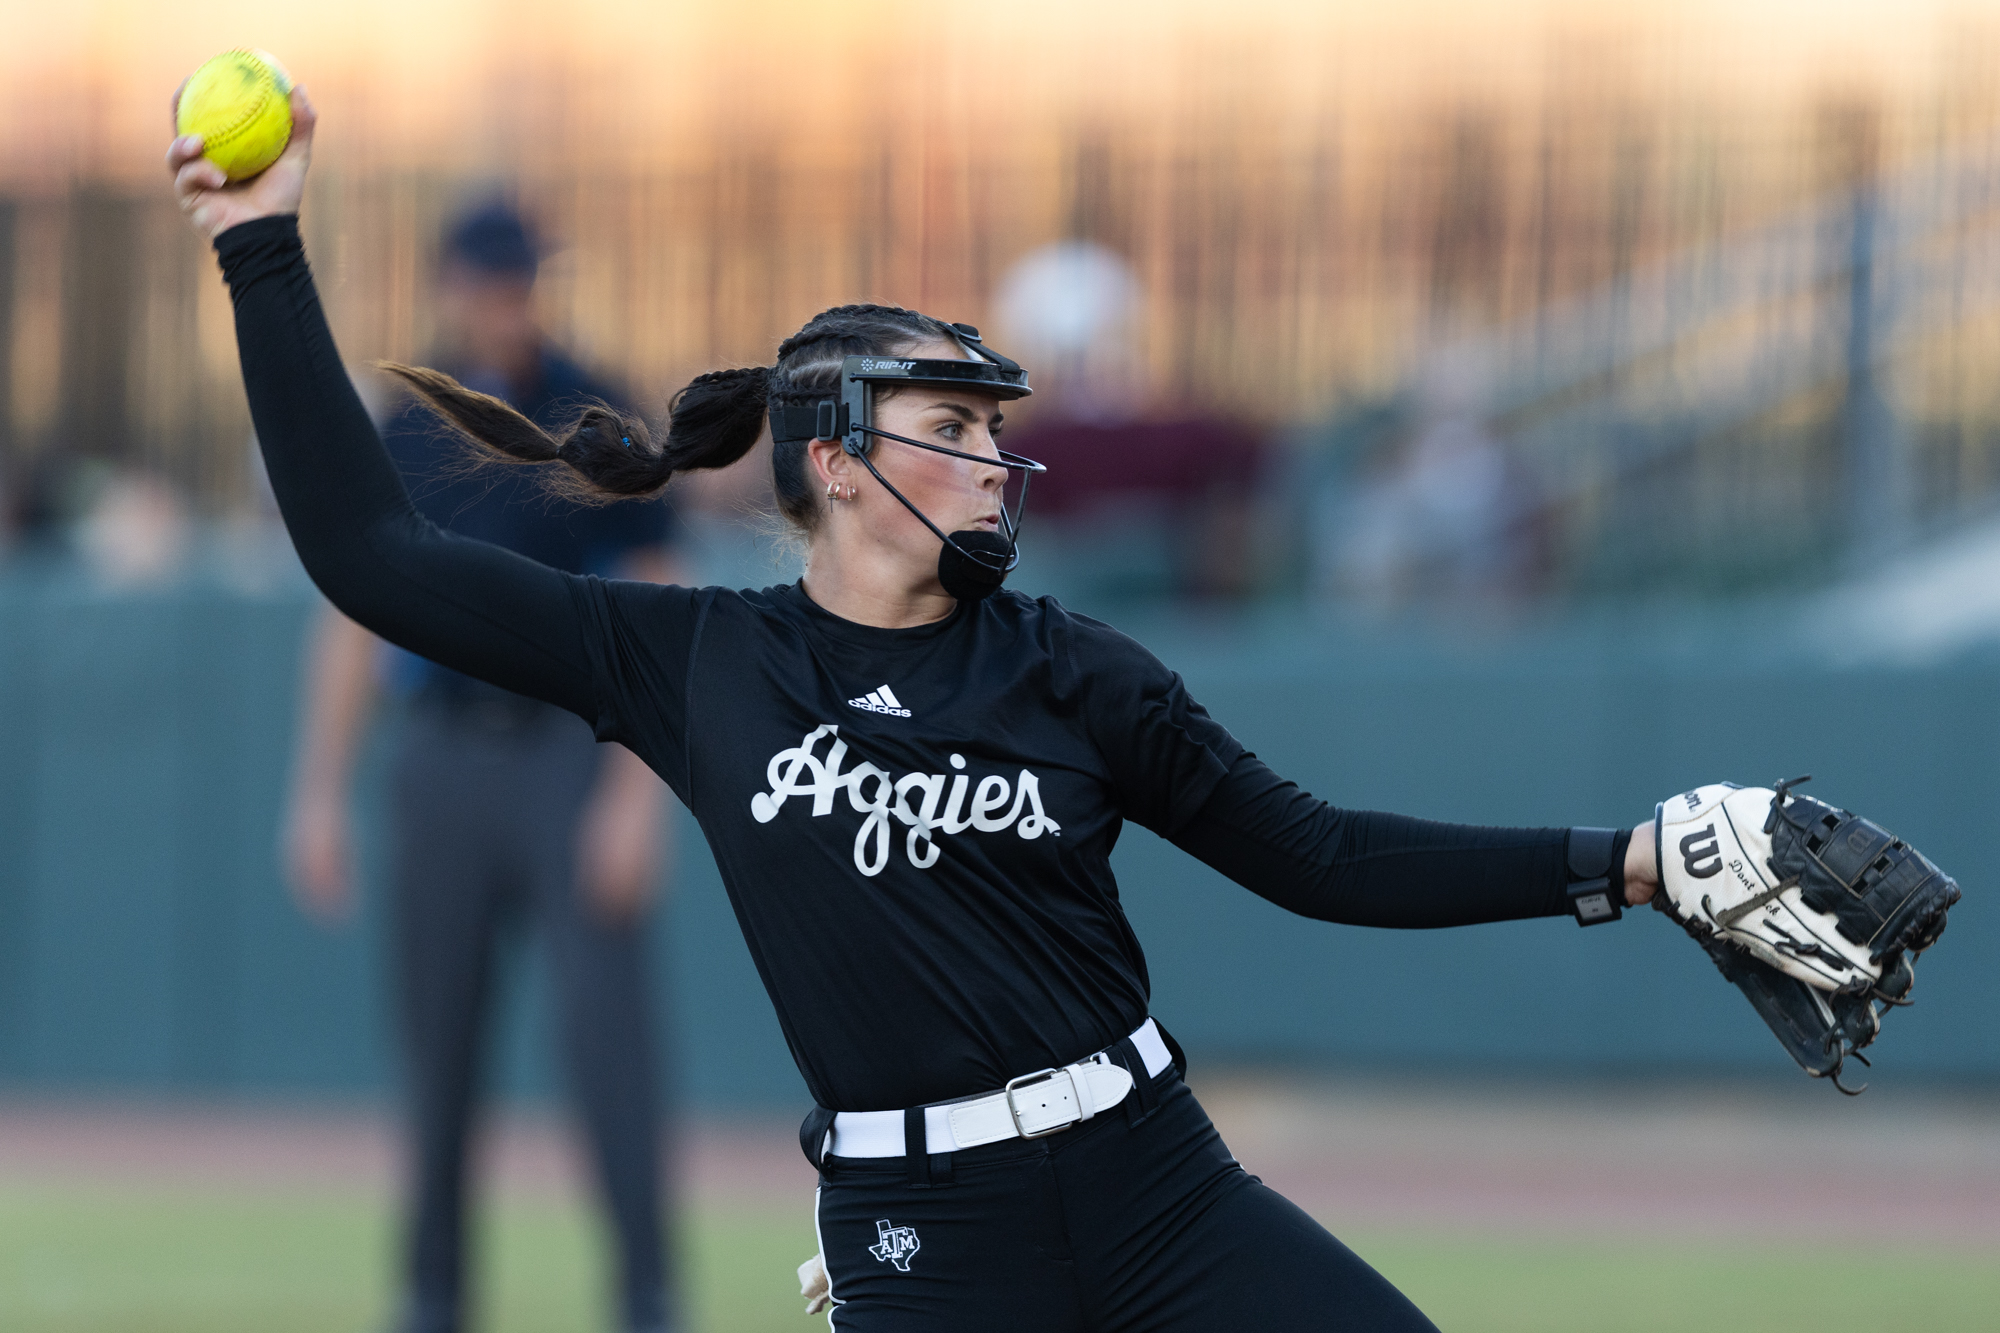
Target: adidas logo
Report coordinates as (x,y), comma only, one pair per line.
(882,699)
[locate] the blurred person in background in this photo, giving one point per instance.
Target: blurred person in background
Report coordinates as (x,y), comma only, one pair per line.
(1444,513)
(128,526)
(1125,473)
(468,859)
(136,531)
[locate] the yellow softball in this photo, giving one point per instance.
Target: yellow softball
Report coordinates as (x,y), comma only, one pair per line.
(240,103)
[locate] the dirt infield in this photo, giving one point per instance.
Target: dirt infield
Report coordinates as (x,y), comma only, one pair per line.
(1764,1161)
(751,1160)
(1759,1160)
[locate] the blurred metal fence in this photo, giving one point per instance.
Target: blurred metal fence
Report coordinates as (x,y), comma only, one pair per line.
(1659,264)
(1814,388)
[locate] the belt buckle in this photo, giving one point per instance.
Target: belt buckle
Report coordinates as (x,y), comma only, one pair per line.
(1039,1076)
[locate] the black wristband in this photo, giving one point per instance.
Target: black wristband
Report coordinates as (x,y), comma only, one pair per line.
(1595,860)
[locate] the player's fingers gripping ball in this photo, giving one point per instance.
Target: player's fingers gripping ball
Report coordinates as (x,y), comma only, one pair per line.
(240,104)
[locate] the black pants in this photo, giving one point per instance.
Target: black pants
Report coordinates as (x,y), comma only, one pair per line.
(485,806)
(1111,1227)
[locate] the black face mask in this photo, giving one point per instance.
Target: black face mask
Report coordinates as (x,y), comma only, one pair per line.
(973,563)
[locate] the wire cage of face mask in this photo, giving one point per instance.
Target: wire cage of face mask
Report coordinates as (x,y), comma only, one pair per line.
(973,564)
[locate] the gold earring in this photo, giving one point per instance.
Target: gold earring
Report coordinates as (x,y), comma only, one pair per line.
(851,492)
(832,490)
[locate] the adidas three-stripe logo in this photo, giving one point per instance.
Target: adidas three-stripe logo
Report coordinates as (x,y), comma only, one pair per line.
(881,699)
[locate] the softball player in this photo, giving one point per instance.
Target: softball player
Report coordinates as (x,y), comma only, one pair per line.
(912,781)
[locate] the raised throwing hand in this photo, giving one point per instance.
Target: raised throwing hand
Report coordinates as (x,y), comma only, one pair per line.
(214,204)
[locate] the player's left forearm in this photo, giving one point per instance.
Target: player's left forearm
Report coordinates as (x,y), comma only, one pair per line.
(1367,868)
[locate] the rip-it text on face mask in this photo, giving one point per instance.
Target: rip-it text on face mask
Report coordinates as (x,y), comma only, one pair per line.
(926,803)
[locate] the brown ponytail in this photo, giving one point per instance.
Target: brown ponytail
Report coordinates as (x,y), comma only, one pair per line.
(715,419)
(610,455)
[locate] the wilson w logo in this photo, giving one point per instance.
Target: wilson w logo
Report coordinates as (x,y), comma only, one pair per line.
(1698,847)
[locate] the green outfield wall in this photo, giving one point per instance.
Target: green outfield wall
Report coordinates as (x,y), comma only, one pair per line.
(147,947)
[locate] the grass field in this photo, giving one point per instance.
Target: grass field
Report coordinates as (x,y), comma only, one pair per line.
(103,1259)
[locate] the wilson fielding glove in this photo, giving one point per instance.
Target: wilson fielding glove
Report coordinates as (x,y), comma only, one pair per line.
(1815,913)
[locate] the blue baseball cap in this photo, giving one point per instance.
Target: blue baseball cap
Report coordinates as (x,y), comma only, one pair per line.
(495,239)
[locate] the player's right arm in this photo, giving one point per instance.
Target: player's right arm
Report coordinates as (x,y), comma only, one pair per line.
(464,604)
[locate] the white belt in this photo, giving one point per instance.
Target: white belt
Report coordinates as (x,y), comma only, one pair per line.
(1029,1107)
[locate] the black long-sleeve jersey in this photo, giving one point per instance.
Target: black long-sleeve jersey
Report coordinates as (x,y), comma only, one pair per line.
(914,826)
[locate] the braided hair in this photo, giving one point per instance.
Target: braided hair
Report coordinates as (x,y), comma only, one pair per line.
(713,421)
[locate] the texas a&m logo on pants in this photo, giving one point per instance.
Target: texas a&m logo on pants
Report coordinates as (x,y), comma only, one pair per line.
(898,1244)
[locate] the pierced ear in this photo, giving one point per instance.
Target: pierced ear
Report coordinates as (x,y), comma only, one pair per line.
(828,463)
